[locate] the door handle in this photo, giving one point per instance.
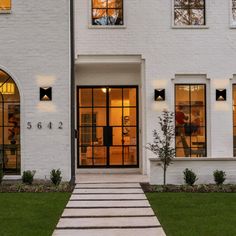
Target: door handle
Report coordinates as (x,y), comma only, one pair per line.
(107,136)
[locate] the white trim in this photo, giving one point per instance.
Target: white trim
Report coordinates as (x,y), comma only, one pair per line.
(91,26)
(152,159)
(88,59)
(5,11)
(173,26)
(11,177)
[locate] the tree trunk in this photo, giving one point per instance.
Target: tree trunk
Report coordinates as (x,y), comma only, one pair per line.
(164,177)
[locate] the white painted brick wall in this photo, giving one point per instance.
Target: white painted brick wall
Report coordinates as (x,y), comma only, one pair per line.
(167,52)
(35,50)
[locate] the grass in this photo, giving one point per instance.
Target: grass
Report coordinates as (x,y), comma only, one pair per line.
(195,214)
(30,213)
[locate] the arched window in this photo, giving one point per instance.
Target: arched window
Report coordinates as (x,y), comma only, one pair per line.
(9,125)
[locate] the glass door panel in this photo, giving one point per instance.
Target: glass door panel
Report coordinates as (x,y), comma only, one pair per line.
(107,127)
(116,156)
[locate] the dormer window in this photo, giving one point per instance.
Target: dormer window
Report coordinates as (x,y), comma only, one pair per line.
(189,12)
(107,12)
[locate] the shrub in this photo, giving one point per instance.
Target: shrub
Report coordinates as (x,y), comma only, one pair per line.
(55,176)
(189,177)
(219,176)
(28,176)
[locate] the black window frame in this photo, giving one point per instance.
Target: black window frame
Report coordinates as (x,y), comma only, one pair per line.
(107,9)
(189,8)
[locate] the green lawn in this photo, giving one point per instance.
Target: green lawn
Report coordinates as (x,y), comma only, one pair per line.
(30,214)
(195,214)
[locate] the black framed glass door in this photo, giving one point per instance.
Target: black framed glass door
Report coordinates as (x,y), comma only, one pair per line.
(107,126)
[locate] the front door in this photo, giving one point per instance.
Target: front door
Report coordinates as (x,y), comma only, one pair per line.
(107,126)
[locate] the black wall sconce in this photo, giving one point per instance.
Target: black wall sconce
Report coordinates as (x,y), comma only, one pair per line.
(220,94)
(45,94)
(159,95)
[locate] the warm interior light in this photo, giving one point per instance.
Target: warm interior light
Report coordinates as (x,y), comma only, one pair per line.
(104,90)
(7,88)
(5,5)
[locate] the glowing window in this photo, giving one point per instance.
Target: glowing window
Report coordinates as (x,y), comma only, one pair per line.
(107,12)
(190,120)
(5,5)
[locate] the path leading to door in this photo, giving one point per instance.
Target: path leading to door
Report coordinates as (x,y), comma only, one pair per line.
(108,208)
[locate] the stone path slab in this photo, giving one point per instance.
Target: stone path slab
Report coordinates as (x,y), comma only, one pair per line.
(111,232)
(108,209)
(89,204)
(108,191)
(107,212)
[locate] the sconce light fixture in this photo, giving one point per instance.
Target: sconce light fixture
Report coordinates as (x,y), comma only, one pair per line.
(45,94)
(159,95)
(220,94)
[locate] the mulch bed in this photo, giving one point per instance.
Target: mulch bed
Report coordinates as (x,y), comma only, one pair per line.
(36,187)
(201,188)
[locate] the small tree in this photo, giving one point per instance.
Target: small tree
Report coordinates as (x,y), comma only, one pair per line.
(162,145)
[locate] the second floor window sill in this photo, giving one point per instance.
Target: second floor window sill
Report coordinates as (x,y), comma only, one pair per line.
(107,26)
(190,27)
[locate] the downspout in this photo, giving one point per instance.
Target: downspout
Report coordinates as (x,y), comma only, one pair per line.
(72,91)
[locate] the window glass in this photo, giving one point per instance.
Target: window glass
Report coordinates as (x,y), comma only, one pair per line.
(189,12)
(107,12)
(190,120)
(234,12)
(5,5)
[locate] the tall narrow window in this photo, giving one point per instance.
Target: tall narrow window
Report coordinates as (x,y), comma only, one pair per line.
(107,12)
(234,118)
(233,13)
(190,120)
(5,5)
(189,12)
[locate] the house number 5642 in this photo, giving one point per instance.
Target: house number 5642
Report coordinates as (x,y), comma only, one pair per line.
(49,125)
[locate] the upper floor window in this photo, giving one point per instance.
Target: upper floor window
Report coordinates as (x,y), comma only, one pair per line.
(5,5)
(107,12)
(233,12)
(189,12)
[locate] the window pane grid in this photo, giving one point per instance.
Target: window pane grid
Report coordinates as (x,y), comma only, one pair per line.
(107,12)
(120,107)
(190,121)
(189,12)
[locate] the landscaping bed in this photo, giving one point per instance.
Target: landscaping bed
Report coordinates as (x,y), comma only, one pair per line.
(201,188)
(35,187)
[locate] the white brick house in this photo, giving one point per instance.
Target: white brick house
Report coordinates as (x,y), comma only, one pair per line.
(123,51)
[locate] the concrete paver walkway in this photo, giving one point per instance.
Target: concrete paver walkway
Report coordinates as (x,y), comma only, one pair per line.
(101,208)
